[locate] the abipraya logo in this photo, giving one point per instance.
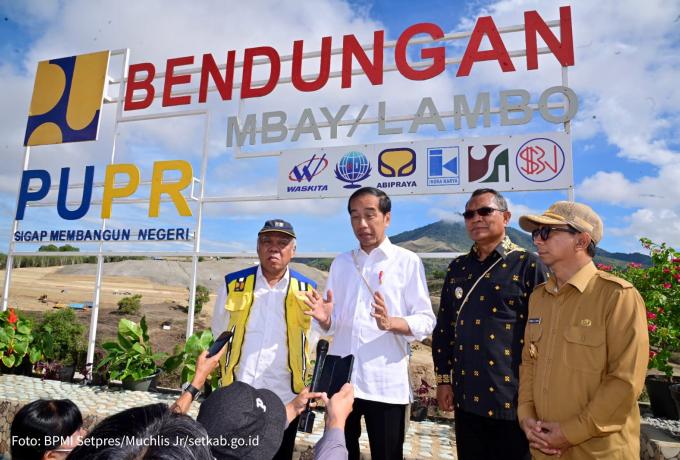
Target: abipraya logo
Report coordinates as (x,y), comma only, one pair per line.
(307,171)
(479,170)
(67,99)
(399,162)
(353,167)
(540,160)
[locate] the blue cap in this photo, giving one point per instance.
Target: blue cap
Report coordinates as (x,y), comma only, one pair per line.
(278,225)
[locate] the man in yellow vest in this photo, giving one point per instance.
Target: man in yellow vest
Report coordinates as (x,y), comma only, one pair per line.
(264,307)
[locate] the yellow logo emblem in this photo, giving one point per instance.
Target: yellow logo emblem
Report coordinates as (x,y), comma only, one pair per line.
(67,99)
(397,162)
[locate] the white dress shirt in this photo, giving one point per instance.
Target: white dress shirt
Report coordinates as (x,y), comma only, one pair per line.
(380,370)
(264,355)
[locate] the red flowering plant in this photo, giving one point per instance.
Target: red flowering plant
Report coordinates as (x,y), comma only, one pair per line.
(659,286)
(16,340)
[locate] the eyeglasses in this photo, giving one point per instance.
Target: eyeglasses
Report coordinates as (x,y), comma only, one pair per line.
(544,232)
(483,211)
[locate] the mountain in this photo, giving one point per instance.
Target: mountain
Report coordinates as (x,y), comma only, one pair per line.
(452,237)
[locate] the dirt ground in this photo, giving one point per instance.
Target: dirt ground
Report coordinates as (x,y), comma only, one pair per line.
(164,298)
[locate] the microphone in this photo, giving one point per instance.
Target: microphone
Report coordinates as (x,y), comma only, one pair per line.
(306,423)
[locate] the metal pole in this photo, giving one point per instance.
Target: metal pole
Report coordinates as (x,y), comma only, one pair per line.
(94,318)
(10,247)
(197,234)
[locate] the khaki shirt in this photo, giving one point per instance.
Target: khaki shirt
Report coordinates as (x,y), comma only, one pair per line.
(584,362)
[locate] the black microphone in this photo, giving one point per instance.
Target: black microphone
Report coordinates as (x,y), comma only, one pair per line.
(306,422)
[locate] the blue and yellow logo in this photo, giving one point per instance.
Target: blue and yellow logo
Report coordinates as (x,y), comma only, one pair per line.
(67,99)
(397,162)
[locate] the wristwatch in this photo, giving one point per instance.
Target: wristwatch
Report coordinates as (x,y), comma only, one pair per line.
(189,388)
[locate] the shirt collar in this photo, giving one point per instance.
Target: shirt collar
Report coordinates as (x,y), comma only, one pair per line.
(503,248)
(262,281)
(386,248)
(579,280)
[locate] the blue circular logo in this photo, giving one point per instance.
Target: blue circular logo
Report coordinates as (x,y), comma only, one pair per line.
(353,167)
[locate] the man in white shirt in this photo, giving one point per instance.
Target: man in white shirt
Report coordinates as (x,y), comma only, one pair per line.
(264,307)
(377,302)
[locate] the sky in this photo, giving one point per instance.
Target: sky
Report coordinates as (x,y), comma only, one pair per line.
(624,136)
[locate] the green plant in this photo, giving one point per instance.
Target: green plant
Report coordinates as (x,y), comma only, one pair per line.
(66,335)
(15,338)
(202,297)
(131,357)
(659,286)
(130,305)
(186,356)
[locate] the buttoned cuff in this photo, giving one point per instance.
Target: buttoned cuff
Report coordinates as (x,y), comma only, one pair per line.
(526,410)
(443,378)
(575,430)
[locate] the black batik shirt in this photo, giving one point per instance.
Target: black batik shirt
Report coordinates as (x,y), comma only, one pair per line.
(478,348)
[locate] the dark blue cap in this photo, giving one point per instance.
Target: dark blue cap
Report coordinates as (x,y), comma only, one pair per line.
(278,225)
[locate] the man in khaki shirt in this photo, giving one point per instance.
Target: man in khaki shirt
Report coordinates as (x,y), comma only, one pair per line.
(585,347)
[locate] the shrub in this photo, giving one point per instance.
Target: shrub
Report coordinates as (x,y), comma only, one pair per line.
(659,286)
(130,305)
(202,296)
(66,333)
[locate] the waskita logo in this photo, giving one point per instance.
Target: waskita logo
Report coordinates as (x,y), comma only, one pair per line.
(67,99)
(540,160)
(442,166)
(479,170)
(353,167)
(306,171)
(399,162)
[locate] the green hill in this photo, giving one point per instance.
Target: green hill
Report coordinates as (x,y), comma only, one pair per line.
(445,236)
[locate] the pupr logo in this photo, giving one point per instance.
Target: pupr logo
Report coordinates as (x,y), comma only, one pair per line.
(399,162)
(442,166)
(540,160)
(479,170)
(67,99)
(353,167)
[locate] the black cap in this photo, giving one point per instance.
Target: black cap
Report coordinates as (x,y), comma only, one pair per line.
(278,225)
(243,422)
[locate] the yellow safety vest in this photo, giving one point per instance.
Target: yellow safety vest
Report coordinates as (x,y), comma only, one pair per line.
(240,297)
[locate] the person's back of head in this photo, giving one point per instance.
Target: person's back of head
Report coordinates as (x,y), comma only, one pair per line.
(38,425)
(147,432)
(243,423)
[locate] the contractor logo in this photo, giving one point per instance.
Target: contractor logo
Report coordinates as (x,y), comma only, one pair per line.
(306,171)
(540,160)
(443,166)
(479,166)
(353,167)
(400,162)
(67,99)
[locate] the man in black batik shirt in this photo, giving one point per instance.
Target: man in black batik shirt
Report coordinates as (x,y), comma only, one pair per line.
(477,343)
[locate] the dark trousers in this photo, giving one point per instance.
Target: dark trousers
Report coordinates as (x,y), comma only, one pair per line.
(385,427)
(285,452)
(483,438)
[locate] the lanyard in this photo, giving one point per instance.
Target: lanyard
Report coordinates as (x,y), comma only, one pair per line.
(361,274)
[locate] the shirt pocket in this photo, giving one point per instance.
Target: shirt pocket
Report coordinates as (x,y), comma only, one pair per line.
(584,348)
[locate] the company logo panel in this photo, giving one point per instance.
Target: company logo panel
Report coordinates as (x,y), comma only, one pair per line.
(492,166)
(443,166)
(67,99)
(399,162)
(353,168)
(307,171)
(540,160)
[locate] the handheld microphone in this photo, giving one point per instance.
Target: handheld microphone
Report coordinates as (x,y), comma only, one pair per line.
(306,422)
